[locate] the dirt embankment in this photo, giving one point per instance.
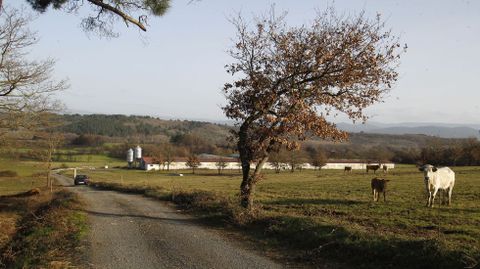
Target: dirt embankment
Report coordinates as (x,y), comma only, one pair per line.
(42,230)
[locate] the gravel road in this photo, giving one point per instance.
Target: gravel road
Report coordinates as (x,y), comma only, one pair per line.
(132,231)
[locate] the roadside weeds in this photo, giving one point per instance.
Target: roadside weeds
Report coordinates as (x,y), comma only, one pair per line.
(49,232)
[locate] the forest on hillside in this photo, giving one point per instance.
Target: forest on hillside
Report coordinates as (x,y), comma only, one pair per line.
(144,129)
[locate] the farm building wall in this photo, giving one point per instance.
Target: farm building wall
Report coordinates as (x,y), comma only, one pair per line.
(151,166)
(203,165)
(334,165)
(236,165)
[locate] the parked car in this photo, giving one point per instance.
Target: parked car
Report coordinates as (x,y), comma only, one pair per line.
(81,179)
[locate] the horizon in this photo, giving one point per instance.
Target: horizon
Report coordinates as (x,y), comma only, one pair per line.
(368,122)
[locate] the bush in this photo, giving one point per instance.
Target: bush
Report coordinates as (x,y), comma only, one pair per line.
(88,140)
(39,175)
(8,173)
(33,154)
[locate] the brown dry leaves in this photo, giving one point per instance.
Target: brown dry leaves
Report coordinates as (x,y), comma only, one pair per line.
(289,79)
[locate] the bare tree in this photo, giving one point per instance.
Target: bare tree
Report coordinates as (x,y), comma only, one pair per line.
(287,80)
(26,86)
(52,142)
(221,164)
(48,141)
(278,161)
(295,159)
(318,159)
(168,157)
(156,153)
(193,162)
(317,156)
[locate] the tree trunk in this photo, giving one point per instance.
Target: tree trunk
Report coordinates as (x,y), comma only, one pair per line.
(49,167)
(247,188)
(245,159)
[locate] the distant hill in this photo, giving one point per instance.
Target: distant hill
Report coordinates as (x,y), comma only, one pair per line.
(438,130)
(153,130)
(144,127)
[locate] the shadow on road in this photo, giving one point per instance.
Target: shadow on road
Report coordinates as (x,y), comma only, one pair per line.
(185,222)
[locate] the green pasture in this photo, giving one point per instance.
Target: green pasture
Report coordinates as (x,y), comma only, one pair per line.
(333,213)
(93,160)
(28,176)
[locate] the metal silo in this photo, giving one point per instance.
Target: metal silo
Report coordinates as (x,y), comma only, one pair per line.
(130,155)
(130,158)
(138,153)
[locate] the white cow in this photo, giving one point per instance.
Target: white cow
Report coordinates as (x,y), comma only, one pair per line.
(438,179)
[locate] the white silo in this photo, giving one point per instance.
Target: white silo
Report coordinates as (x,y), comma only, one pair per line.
(138,153)
(130,157)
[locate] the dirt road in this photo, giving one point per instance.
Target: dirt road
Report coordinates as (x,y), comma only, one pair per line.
(132,231)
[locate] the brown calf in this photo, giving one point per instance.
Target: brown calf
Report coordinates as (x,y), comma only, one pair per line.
(347,169)
(373,167)
(379,185)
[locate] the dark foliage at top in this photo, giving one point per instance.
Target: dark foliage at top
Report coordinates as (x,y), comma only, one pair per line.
(42,5)
(104,13)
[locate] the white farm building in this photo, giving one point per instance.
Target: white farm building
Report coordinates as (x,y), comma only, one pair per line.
(179,163)
(354,164)
(208,161)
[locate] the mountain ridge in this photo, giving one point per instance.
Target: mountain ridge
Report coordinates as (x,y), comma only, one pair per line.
(443,130)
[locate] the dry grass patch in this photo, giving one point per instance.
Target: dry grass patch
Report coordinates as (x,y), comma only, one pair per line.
(45,230)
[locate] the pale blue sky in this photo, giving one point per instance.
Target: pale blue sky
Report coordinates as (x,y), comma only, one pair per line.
(179,71)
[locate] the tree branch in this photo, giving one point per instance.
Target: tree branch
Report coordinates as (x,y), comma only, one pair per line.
(120,13)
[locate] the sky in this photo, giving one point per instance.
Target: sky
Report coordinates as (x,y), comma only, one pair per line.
(176,69)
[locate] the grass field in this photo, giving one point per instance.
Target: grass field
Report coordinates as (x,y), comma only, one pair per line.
(28,176)
(92,160)
(329,216)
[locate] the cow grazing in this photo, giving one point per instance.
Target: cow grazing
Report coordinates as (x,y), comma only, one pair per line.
(379,185)
(373,167)
(438,179)
(347,169)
